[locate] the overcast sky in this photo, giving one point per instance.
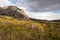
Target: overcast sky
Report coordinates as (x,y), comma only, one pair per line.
(40,9)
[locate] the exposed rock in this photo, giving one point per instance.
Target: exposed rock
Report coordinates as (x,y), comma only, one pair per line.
(13,11)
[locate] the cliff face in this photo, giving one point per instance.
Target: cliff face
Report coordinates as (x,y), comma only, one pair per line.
(13,11)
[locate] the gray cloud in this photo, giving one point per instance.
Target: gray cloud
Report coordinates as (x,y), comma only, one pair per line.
(40,5)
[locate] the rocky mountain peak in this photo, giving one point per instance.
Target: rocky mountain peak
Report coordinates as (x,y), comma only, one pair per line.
(13,11)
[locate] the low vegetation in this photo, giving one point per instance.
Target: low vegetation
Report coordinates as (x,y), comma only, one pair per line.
(23,29)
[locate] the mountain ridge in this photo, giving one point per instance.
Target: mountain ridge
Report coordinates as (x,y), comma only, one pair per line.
(13,11)
(13,28)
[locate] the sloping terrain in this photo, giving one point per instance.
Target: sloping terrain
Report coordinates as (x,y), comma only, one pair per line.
(23,29)
(15,29)
(16,25)
(13,11)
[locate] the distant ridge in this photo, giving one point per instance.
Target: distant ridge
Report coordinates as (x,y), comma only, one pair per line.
(13,11)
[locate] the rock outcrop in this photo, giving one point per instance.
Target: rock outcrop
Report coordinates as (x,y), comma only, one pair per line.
(13,11)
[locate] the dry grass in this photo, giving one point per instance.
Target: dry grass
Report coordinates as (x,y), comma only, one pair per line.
(19,29)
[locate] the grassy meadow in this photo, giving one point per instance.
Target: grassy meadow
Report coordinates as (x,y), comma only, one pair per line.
(23,29)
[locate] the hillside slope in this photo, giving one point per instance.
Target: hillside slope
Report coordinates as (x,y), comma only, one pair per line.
(13,11)
(16,25)
(15,29)
(23,29)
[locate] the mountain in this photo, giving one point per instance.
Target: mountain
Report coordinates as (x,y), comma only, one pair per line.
(13,11)
(13,28)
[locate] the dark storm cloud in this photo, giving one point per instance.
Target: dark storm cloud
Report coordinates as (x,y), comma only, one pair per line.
(41,5)
(41,9)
